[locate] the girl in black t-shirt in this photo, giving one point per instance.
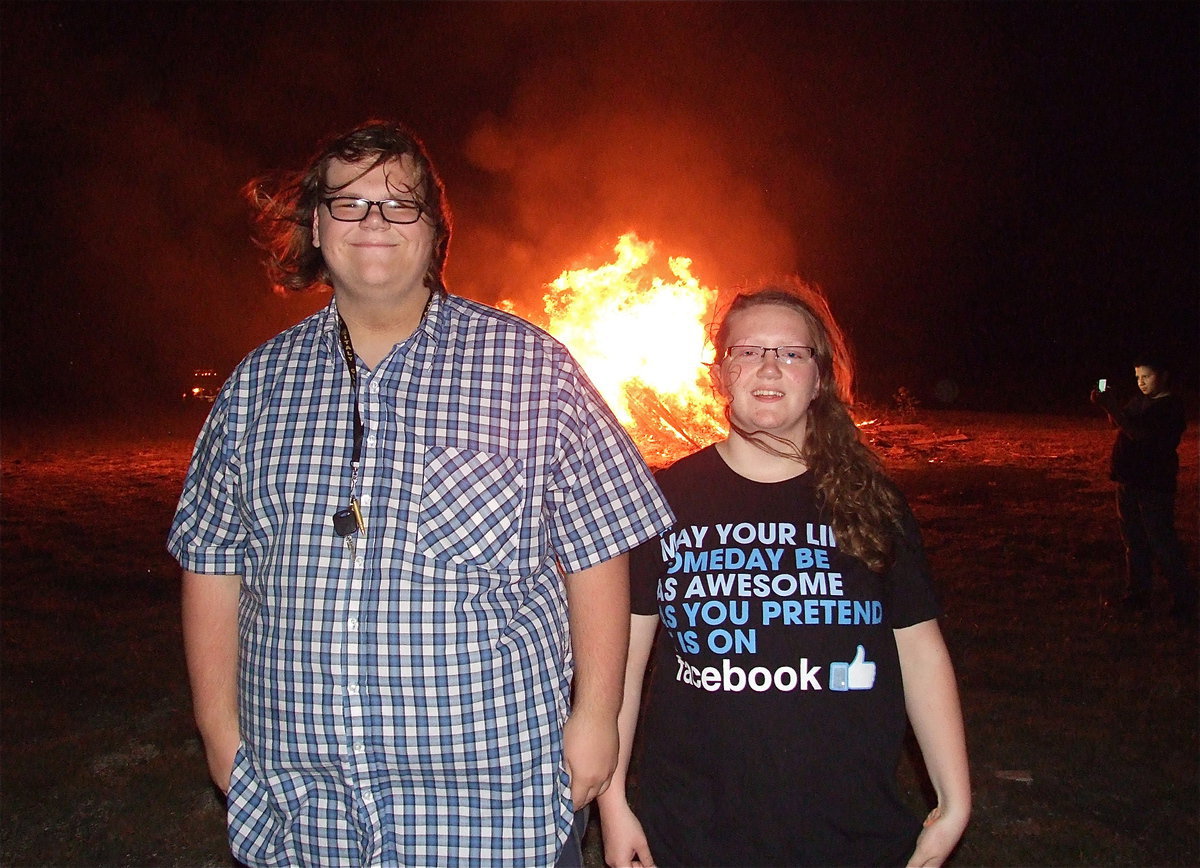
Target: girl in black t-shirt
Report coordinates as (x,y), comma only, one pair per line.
(798,630)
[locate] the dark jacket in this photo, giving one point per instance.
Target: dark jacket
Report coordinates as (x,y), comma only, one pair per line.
(1144,454)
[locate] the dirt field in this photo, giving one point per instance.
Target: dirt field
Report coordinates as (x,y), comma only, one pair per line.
(1083,723)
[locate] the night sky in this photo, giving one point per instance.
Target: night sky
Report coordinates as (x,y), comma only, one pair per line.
(1001,196)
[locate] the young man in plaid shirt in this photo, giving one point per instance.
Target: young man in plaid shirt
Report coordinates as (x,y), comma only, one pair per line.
(403,537)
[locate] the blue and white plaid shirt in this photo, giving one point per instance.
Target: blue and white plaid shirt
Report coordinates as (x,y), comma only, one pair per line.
(404,705)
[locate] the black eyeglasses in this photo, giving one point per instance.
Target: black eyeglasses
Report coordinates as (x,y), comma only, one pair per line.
(350,209)
(756,355)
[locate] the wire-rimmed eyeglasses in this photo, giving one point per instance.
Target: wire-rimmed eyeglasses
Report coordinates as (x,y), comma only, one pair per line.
(351,209)
(750,354)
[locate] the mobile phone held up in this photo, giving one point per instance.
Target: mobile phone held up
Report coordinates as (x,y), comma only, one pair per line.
(1102,385)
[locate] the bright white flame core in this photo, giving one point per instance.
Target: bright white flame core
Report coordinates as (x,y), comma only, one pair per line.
(632,332)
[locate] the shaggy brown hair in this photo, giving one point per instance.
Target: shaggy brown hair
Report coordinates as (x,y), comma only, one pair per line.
(864,506)
(284,204)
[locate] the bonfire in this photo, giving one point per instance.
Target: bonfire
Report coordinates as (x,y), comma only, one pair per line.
(642,339)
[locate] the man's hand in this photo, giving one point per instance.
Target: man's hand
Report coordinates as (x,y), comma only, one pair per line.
(590,755)
(220,752)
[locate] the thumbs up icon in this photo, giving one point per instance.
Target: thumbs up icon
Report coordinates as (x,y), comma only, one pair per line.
(858,674)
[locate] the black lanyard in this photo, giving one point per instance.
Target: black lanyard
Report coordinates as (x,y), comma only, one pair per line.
(349,520)
(352,368)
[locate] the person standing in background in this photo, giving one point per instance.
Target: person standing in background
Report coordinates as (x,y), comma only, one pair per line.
(1145,467)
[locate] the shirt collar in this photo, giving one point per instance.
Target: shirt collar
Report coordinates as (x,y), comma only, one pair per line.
(432,324)
(433,321)
(328,325)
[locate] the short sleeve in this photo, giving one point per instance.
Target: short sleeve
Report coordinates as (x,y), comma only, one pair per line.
(645,567)
(913,598)
(606,501)
(207,535)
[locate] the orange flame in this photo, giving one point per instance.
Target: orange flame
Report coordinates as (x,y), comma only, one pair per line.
(641,338)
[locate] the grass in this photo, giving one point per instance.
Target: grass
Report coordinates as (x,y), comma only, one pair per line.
(1095,713)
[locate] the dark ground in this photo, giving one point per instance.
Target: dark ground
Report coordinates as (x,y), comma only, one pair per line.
(1083,723)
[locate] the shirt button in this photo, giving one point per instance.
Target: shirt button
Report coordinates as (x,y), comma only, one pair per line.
(352,690)
(358,562)
(352,623)
(371,441)
(359,747)
(374,385)
(365,499)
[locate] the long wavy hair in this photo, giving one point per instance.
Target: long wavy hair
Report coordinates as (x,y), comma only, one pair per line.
(865,508)
(284,204)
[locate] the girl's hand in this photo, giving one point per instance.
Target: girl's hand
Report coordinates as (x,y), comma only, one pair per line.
(624,840)
(938,838)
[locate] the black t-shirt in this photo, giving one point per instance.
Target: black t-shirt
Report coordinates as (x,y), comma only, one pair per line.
(774,715)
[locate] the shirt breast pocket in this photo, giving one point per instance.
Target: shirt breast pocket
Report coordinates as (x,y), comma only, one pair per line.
(472,508)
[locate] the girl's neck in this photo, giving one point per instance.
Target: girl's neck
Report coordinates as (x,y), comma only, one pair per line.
(756,464)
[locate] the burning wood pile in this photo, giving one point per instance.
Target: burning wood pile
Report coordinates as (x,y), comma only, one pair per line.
(642,340)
